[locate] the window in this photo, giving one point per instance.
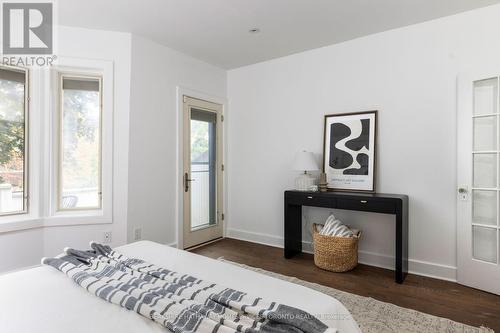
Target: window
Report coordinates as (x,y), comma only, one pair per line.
(70,153)
(80,143)
(13,141)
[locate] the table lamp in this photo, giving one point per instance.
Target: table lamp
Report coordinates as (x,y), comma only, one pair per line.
(304,161)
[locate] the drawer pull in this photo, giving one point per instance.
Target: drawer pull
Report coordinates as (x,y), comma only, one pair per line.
(364,201)
(309,197)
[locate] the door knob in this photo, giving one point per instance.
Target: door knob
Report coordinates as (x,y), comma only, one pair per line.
(463,193)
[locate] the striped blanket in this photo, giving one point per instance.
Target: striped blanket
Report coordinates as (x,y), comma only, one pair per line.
(179,302)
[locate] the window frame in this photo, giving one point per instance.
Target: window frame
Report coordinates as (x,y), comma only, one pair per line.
(26,162)
(89,67)
(42,146)
(60,139)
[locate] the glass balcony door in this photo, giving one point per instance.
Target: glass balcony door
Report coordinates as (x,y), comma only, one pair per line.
(202,177)
(203,168)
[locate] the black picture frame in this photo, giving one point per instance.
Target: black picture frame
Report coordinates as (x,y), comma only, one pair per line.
(349,151)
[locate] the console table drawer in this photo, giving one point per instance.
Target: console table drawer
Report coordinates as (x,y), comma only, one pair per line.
(368,205)
(310,199)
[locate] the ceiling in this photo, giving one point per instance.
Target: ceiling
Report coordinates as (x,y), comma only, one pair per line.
(216,31)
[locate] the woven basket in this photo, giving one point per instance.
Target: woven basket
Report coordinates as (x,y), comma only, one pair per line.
(336,254)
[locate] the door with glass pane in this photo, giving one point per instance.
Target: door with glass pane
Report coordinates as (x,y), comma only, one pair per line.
(202,177)
(478,197)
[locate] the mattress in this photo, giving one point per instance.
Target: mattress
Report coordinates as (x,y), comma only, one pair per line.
(43,299)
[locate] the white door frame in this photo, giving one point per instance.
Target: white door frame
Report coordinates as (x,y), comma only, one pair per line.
(179,193)
(466,265)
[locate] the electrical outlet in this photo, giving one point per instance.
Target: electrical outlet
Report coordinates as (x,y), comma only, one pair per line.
(107,237)
(137,233)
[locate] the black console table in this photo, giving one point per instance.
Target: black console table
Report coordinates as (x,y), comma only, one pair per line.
(377,203)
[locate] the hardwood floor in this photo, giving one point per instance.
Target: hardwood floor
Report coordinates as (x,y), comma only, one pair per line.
(436,297)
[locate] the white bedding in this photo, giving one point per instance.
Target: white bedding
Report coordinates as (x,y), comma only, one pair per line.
(44,300)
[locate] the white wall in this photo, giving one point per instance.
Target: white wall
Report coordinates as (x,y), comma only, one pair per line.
(36,243)
(276,108)
(409,75)
(156,73)
(20,249)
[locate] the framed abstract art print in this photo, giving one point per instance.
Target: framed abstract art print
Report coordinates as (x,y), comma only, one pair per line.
(349,151)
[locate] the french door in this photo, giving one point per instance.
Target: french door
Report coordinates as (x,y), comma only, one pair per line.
(478,172)
(202,176)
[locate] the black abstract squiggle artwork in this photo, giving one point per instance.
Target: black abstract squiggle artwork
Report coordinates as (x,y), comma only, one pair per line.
(363,140)
(339,159)
(344,159)
(363,169)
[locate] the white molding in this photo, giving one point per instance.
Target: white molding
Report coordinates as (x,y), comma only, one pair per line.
(433,270)
(181,91)
(56,221)
(18,224)
(255,237)
(417,267)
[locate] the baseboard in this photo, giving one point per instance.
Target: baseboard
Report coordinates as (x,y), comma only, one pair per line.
(255,237)
(417,267)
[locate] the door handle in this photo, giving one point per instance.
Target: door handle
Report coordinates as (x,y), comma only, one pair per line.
(187,180)
(463,193)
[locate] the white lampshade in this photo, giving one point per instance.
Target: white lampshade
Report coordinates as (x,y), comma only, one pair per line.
(305,161)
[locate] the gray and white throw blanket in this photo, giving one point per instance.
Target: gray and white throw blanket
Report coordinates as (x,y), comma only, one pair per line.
(179,302)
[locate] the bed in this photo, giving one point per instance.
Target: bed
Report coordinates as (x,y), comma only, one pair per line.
(44,300)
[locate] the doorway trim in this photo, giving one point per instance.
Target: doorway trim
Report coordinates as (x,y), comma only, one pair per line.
(179,193)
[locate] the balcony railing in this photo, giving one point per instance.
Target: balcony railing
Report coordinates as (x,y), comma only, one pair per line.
(202,214)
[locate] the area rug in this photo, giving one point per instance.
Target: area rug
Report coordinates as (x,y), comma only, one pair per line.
(375,316)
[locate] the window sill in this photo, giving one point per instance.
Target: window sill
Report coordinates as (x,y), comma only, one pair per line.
(65,220)
(19,223)
(10,224)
